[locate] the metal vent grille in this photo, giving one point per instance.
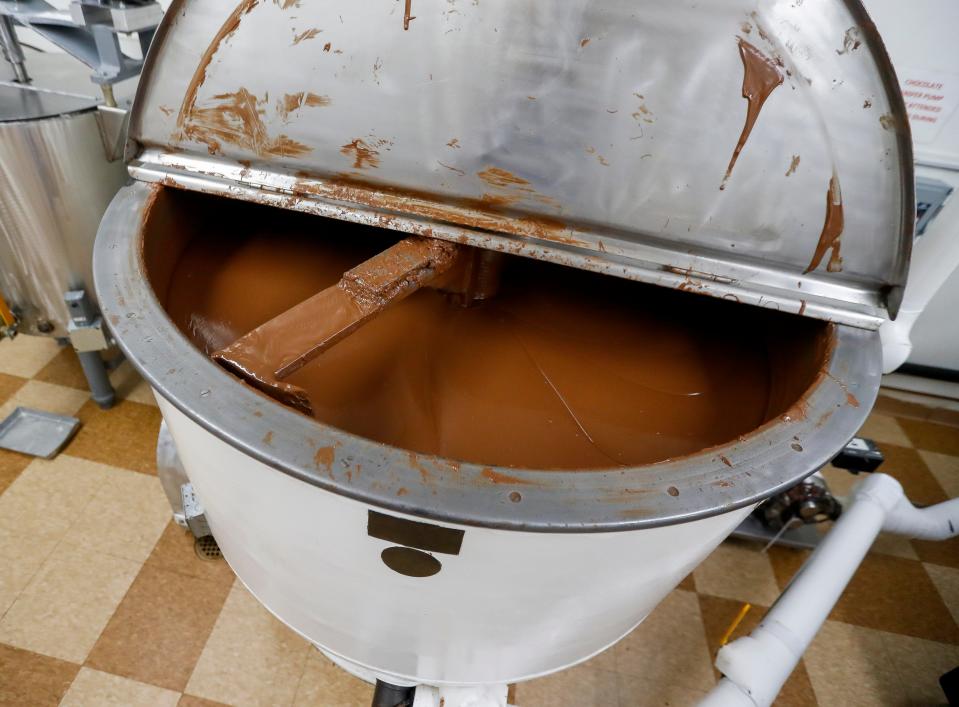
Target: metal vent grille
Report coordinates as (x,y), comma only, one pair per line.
(207,549)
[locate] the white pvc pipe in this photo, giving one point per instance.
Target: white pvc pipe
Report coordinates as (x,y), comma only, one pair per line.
(756,666)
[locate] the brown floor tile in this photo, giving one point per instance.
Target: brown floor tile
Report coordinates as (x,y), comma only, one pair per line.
(125,435)
(174,552)
(902,408)
(932,436)
(949,418)
(159,629)
(28,678)
(688,583)
(719,614)
(942,552)
(191,701)
(64,369)
(907,466)
(9,385)
(11,464)
(887,594)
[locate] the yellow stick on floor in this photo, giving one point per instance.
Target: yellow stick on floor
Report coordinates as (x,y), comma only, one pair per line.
(5,314)
(735,624)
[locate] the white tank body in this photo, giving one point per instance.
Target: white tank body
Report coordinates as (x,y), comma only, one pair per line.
(510,606)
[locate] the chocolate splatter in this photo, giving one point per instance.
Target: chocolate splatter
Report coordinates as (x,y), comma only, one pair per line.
(407,17)
(363,154)
(286,4)
(303,36)
(850,41)
(760,78)
(829,238)
(237,119)
(793,165)
(294,101)
(494,176)
(583,42)
(231,25)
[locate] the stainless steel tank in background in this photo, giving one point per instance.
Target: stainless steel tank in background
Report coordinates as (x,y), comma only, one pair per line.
(58,173)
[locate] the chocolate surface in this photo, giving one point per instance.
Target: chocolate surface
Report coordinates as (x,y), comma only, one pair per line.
(562,369)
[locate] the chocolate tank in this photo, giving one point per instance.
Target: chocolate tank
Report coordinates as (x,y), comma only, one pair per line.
(742,155)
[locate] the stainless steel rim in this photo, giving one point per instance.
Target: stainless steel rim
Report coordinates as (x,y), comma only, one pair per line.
(770,459)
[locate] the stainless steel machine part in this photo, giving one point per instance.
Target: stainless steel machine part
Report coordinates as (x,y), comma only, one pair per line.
(595,134)
(88,30)
(12,52)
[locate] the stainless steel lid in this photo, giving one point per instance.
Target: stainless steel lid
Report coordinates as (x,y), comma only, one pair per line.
(598,134)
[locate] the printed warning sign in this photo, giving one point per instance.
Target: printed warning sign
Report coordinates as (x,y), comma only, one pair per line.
(931,98)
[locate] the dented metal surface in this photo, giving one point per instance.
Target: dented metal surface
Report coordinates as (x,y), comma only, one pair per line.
(596,133)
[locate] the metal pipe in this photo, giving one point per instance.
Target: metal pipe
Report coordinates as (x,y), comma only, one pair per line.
(756,666)
(101,390)
(12,50)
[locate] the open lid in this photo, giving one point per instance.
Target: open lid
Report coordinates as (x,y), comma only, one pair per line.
(597,133)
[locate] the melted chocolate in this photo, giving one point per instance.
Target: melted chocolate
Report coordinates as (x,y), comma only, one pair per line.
(829,237)
(760,78)
(562,369)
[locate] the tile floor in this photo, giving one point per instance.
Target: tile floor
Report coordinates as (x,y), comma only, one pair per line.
(104,602)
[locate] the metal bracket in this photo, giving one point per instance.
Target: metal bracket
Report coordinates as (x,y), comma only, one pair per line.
(194,512)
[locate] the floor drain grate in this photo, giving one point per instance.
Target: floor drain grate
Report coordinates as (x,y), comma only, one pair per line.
(206,548)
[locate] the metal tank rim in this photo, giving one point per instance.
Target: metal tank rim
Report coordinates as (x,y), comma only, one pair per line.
(714,481)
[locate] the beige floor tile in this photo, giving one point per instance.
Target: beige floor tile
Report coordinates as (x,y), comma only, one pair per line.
(9,385)
(581,686)
(20,558)
(130,386)
(124,518)
(738,570)
(849,665)
(636,692)
(65,606)
(91,688)
(45,396)
(26,355)
(946,580)
(669,647)
(884,428)
(919,664)
(323,683)
(945,468)
(250,657)
(48,496)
